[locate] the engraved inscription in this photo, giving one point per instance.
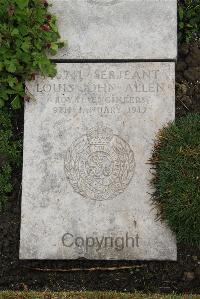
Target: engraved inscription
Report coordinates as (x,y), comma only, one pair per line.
(102,91)
(99,165)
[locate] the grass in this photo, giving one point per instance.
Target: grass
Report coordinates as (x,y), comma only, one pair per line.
(188,20)
(90,295)
(176,160)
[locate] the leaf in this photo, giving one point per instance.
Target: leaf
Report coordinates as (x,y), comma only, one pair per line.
(2,103)
(1,66)
(12,81)
(61,44)
(22,3)
(15,32)
(11,66)
(53,26)
(16,103)
(23,29)
(25,47)
(19,88)
(3,94)
(181,13)
(54,48)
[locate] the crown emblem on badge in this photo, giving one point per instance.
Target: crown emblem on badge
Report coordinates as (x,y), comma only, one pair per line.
(99,135)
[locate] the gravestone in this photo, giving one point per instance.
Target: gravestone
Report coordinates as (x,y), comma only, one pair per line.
(89,133)
(117,29)
(88,138)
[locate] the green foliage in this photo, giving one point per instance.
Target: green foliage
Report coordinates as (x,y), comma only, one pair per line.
(27,34)
(189,20)
(10,156)
(176,159)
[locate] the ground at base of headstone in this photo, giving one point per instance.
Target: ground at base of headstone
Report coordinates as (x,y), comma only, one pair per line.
(188,79)
(165,277)
(160,277)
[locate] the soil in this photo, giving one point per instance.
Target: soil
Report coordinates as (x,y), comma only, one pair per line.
(165,277)
(188,79)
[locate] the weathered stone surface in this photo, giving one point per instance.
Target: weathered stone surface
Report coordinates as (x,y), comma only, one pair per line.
(117,29)
(88,138)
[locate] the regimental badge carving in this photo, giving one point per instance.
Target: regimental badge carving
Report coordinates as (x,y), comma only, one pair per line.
(99,165)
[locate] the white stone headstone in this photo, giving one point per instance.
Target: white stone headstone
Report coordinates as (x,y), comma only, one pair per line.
(88,138)
(117,29)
